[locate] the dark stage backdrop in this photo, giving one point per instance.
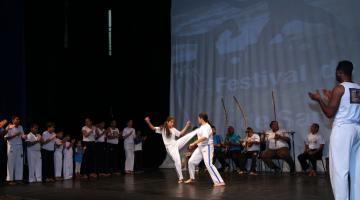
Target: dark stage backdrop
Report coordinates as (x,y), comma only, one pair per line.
(55,62)
(12,67)
(249,48)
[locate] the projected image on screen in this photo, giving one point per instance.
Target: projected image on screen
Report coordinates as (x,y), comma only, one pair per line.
(251,48)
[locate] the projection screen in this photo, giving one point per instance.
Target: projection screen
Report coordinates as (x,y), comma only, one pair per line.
(251,48)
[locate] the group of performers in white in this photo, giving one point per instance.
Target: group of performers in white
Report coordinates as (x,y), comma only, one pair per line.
(50,155)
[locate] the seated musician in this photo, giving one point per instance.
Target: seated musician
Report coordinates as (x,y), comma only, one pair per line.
(278,148)
(251,145)
(233,146)
(314,145)
(219,153)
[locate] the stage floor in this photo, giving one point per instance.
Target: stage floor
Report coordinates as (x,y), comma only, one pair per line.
(162,184)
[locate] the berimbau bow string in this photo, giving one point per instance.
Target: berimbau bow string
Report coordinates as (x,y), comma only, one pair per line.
(273,103)
(225,112)
(242,112)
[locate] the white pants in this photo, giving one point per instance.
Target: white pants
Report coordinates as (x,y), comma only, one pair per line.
(68,165)
(77,167)
(206,153)
(344,160)
(129,154)
(15,163)
(35,164)
(58,163)
(173,151)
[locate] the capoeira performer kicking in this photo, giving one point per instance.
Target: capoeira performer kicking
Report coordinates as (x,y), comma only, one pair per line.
(344,104)
(169,134)
(204,151)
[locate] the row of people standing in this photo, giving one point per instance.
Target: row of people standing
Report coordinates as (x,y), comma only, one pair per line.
(51,155)
(101,149)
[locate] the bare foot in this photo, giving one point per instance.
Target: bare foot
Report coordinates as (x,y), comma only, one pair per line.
(181,181)
(219,184)
(190,181)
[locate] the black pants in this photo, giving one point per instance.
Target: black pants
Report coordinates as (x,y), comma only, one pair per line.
(235,156)
(47,158)
(113,158)
(100,157)
(220,156)
(88,164)
(138,165)
(3,161)
(245,156)
(311,157)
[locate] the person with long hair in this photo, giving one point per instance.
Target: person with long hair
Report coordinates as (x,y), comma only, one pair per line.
(204,151)
(169,134)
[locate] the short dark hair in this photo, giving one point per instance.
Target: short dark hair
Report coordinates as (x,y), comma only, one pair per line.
(272,122)
(33,125)
(316,126)
(249,129)
(346,67)
(50,124)
(14,117)
(212,126)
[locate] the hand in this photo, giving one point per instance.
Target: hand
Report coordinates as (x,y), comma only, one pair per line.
(3,123)
(277,136)
(192,146)
(11,126)
(188,123)
(147,119)
(327,93)
(315,96)
(38,137)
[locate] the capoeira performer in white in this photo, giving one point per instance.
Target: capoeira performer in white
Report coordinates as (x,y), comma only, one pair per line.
(204,151)
(169,134)
(14,135)
(344,104)
(33,140)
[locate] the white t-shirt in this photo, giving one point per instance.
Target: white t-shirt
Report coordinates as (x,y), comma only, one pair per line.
(276,144)
(138,147)
(253,138)
(16,140)
(314,140)
(349,108)
(112,133)
(58,148)
(31,137)
(168,140)
(205,131)
(91,137)
(130,139)
(68,152)
(101,138)
(50,146)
